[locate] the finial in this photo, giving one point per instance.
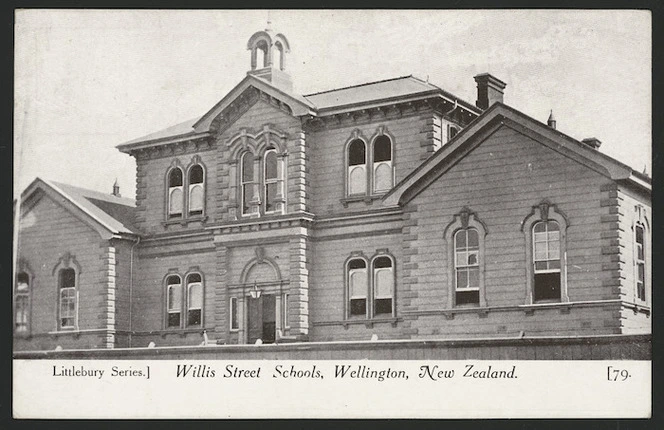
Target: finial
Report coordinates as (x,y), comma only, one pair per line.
(116,188)
(269,22)
(551,122)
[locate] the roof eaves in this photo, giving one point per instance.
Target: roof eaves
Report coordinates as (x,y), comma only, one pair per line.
(128,147)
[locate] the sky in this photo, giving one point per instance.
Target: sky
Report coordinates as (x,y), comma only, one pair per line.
(88,80)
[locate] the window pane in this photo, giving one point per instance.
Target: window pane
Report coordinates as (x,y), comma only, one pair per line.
(540,237)
(382,262)
(175,178)
(552,226)
(358,180)
(462,278)
(175,204)
(358,283)
(642,273)
(21,321)
(174,298)
(554,264)
(540,251)
(474,277)
(639,234)
(472,258)
(270,194)
(194,277)
(67,278)
(174,319)
(554,250)
(271,165)
(539,227)
(383,306)
(384,283)
(547,286)
(639,252)
(196,198)
(382,149)
(460,239)
(196,175)
(357,264)
(247,167)
(383,179)
(553,236)
(22,286)
(247,196)
(172,280)
(358,307)
(356,153)
(23,278)
(195,296)
(194,317)
(462,258)
(467,297)
(473,238)
(541,265)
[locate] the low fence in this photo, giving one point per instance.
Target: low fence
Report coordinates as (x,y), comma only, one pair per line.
(606,347)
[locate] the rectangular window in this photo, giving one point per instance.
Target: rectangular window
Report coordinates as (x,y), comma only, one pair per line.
(284,306)
(22,303)
(235,324)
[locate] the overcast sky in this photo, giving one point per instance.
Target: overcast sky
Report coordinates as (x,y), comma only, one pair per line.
(88,80)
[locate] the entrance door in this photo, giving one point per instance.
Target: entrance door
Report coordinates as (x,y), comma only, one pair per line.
(262,318)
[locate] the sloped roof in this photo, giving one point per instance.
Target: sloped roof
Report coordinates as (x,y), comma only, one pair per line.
(180,130)
(495,116)
(115,214)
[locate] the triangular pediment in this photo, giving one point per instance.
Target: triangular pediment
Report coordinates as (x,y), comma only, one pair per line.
(500,115)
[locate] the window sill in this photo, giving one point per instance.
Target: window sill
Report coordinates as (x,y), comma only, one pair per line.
(184,221)
(369,323)
(179,331)
(367,199)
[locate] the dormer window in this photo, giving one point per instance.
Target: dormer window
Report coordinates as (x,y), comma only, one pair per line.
(175,193)
(196,190)
(357,167)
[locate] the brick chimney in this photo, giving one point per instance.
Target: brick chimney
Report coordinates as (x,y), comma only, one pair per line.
(592,142)
(489,90)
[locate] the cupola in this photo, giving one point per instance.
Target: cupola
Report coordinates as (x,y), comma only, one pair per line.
(268,57)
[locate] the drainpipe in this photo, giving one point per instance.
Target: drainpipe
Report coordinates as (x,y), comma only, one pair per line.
(131,284)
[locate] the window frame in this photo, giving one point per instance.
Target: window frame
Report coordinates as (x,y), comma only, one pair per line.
(74,298)
(187,301)
(375,165)
(27,295)
(349,292)
(203,185)
(350,168)
(374,284)
(545,211)
(285,311)
(641,220)
(174,310)
(233,313)
(467,267)
(173,216)
(244,183)
(265,183)
(535,260)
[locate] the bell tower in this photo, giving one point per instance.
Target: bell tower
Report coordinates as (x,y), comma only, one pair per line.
(268,57)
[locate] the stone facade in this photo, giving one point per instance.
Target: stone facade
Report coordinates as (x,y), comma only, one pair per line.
(285,252)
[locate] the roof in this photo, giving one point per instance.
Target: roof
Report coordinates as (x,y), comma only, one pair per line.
(313,104)
(114,214)
(497,115)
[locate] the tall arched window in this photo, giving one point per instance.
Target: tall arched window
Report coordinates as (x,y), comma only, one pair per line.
(22,303)
(357,167)
(247,178)
(383,279)
(382,164)
(357,287)
(270,179)
(196,190)
(640,261)
(67,308)
(173,301)
(175,193)
(194,299)
(467,266)
(546,260)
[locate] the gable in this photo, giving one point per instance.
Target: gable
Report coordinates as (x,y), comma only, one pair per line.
(497,117)
(257,115)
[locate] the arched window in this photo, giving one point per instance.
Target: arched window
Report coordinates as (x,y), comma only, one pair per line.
(467,266)
(278,56)
(383,279)
(194,299)
(247,179)
(22,303)
(357,287)
(382,164)
(261,54)
(640,261)
(175,193)
(357,167)
(173,301)
(270,179)
(67,308)
(546,261)
(196,190)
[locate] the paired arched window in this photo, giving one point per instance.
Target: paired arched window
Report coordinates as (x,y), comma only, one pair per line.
(175,193)
(370,293)
(467,266)
(67,299)
(184,299)
(261,182)
(369,172)
(22,303)
(193,198)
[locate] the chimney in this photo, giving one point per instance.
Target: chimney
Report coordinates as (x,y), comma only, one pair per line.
(489,90)
(116,189)
(592,142)
(551,122)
